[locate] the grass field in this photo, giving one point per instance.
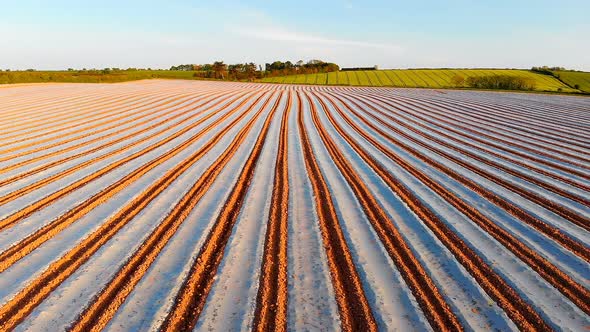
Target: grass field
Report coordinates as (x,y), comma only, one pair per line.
(90,76)
(573,78)
(411,78)
(432,78)
(177,205)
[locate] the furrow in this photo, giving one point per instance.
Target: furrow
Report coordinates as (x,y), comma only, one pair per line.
(100,312)
(480,147)
(194,290)
(54,119)
(84,133)
(539,148)
(271,301)
(577,293)
(552,232)
(461,130)
(507,298)
(29,188)
(426,293)
(355,312)
(31,242)
(13,312)
(164,101)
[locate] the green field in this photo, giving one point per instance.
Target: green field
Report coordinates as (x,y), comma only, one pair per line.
(573,78)
(434,78)
(90,76)
(562,81)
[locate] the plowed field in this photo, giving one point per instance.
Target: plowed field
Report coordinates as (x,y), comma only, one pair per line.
(182,205)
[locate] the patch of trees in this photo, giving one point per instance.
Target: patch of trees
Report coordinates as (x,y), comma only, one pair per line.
(250,71)
(187,67)
(500,82)
(279,68)
(221,71)
(547,70)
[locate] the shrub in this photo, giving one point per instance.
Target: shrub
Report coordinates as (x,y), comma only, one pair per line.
(501,82)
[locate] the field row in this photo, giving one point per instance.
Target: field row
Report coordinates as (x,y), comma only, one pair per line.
(181,205)
(412,78)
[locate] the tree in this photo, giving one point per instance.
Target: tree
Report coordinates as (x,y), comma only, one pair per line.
(250,70)
(219,68)
(234,70)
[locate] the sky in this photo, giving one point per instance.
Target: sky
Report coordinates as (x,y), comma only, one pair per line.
(59,34)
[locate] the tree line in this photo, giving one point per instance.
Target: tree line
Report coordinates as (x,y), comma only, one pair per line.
(250,71)
(279,68)
(500,82)
(547,70)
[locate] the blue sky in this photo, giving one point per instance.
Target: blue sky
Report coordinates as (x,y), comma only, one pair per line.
(392,34)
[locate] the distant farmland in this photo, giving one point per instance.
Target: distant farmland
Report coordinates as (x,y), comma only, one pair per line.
(418,78)
(575,78)
(91,76)
(191,205)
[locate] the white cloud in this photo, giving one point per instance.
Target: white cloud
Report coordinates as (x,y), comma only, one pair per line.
(275,33)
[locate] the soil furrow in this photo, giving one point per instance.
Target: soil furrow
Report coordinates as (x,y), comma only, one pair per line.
(460,130)
(522,313)
(355,311)
(31,242)
(502,137)
(271,301)
(99,183)
(63,111)
(150,107)
(577,293)
(414,128)
(84,133)
(193,293)
(97,315)
(41,107)
(53,118)
(423,288)
(507,121)
(26,189)
(26,300)
(552,232)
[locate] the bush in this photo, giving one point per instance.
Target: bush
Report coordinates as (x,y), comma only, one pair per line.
(501,82)
(458,80)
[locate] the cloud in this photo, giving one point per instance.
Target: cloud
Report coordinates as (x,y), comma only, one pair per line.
(275,33)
